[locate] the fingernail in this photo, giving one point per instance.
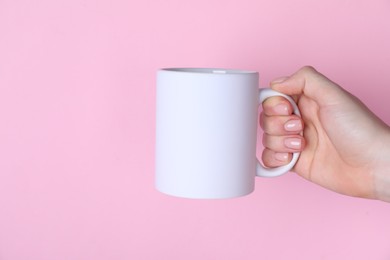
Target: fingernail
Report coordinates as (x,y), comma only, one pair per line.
(279,80)
(282,157)
(293,125)
(282,109)
(293,143)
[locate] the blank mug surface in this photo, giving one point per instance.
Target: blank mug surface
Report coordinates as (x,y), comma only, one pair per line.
(206,125)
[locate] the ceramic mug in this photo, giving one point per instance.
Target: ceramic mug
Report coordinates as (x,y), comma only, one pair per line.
(206,129)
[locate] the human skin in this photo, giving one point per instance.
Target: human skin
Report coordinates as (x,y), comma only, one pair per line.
(344,147)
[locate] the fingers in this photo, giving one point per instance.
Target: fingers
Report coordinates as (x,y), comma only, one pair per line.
(281,132)
(274,159)
(283,144)
(281,125)
(277,118)
(277,106)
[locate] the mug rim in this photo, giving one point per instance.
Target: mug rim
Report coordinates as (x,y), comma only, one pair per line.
(211,71)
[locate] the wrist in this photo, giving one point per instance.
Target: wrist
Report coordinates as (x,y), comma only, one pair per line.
(382,171)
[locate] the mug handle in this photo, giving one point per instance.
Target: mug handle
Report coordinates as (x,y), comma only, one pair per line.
(262,171)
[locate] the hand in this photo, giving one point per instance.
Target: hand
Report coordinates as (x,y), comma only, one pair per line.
(344,147)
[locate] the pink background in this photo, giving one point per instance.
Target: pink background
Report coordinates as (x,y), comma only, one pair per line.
(77,110)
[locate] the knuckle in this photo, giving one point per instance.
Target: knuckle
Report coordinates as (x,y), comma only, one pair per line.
(270,125)
(308,69)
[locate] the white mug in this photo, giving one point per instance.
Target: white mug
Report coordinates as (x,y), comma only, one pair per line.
(206,129)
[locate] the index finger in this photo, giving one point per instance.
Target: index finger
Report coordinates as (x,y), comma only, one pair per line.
(277,106)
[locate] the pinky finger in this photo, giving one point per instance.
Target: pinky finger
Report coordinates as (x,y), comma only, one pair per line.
(275,159)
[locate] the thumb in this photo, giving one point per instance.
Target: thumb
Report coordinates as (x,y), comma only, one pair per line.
(307,81)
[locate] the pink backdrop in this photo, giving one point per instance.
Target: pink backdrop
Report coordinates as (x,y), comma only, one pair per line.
(77,110)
